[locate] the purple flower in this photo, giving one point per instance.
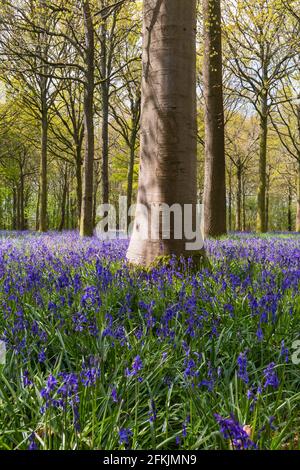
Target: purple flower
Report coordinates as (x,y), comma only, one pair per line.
(231,429)
(259,334)
(137,365)
(284,352)
(270,377)
(26,379)
(89,375)
(124,436)
(152,412)
(114,395)
(32,442)
(242,367)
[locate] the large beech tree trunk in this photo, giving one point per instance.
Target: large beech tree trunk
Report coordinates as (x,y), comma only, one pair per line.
(86,221)
(261,222)
(168,122)
(215,180)
(105,113)
(43,164)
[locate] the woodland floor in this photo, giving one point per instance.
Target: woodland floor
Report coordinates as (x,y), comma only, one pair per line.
(101,356)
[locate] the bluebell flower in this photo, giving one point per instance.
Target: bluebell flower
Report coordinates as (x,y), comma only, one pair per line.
(114,395)
(152,412)
(26,380)
(270,377)
(231,429)
(125,435)
(32,442)
(284,352)
(242,367)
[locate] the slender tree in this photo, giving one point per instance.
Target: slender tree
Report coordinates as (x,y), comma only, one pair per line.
(86,223)
(215,175)
(261,52)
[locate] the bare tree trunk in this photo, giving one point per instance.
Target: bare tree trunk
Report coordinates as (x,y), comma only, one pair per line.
(130,172)
(37,213)
(43,163)
(298,199)
(64,201)
(15,209)
(298,177)
(290,200)
(261,194)
(243,205)
(22,215)
(230,199)
(168,123)
(214,184)
(96,184)
(86,222)
(78,181)
(105,114)
(238,223)
(267,217)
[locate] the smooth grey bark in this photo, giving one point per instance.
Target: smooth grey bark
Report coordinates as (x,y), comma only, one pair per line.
(214,199)
(261,225)
(86,221)
(105,114)
(43,160)
(168,122)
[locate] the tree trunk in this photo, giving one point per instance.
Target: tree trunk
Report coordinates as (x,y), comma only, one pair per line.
(261,194)
(168,125)
(290,200)
(238,223)
(105,175)
(243,205)
(37,213)
(64,201)
(298,199)
(268,177)
(78,181)
(86,222)
(96,184)
(43,164)
(298,177)
(15,209)
(214,183)
(130,173)
(230,200)
(21,195)
(105,113)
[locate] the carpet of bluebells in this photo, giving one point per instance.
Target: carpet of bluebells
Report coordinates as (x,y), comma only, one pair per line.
(103,356)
